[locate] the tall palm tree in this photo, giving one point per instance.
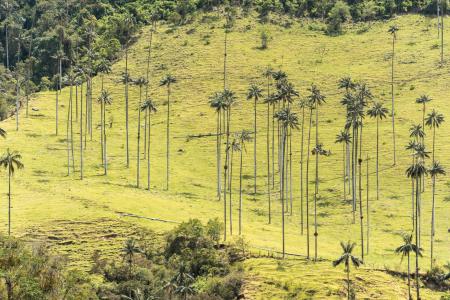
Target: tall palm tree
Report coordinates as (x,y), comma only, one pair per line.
(423,100)
(254,93)
(103,67)
(311,109)
(149,107)
(435,170)
(69,79)
(218,104)
(126,80)
(344,138)
(104,99)
(434,120)
(378,112)
(348,259)
(11,161)
(59,57)
(416,171)
(168,81)
(229,99)
(153,18)
(393,31)
(405,250)
(140,82)
(288,120)
(303,104)
(235,147)
(243,137)
(268,75)
(316,99)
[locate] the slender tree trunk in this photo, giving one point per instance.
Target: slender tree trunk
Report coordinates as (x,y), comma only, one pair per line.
(226,174)
(17,102)
(76,103)
(104,140)
(167,139)
(138,167)
(56,116)
(290,171)
(148,149)
(219,154)
(409,278)
(101,129)
(348,283)
(361,216)
(254,153)
(273,146)
(81,132)
(307,184)
(301,173)
(343,159)
(268,162)
(231,192)
(392,95)
(442,38)
(68,140)
(377,166)
(367,203)
(87,112)
(316,192)
(240,192)
(417,238)
(7,45)
(71,127)
(432,220)
(283,148)
(438,7)
(9,199)
(126,105)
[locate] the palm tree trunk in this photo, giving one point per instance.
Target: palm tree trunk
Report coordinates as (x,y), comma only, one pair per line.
(7,45)
(273,146)
(367,203)
(442,38)
(167,138)
(76,103)
(240,192)
(56,115)
(104,140)
(17,103)
(392,95)
(283,147)
(343,159)
(81,132)
(68,140)
(148,149)
(231,192)
(219,154)
(361,216)
(9,199)
(307,183)
(126,106)
(348,283)
(145,134)
(138,168)
(432,220)
(268,161)
(226,174)
(254,152)
(71,127)
(316,183)
(301,172)
(417,238)
(409,278)
(290,171)
(377,166)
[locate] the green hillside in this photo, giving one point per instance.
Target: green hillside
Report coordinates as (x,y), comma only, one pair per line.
(79,216)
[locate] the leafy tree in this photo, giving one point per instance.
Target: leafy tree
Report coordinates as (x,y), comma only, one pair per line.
(11,160)
(339,14)
(168,81)
(348,259)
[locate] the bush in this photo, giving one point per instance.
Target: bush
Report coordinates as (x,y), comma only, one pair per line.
(226,288)
(339,14)
(264,39)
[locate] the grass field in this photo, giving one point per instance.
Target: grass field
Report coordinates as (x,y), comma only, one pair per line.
(80,216)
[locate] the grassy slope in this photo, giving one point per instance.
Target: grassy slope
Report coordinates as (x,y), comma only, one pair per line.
(47,203)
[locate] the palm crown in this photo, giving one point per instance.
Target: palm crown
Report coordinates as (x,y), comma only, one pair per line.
(167,80)
(416,131)
(254,92)
(105,98)
(149,105)
(408,247)
(316,98)
(423,99)
(11,161)
(378,111)
(436,169)
(347,258)
(434,119)
(343,137)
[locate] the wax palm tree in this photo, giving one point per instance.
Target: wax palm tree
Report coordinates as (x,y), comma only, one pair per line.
(416,171)
(268,75)
(436,170)
(348,259)
(243,137)
(129,250)
(216,103)
(316,99)
(288,120)
(59,57)
(126,79)
(344,138)
(229,99)
(183,281)
(254,93)
(303,104)
(393,31)
(69,79)
(80,78)
(140,82)
(378,112)
(104,99)
(235,147)
(311,107)
(149,107)
(434,120)
(423,100)
(11,161)
(405,250)
(168,81)
(346,83)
